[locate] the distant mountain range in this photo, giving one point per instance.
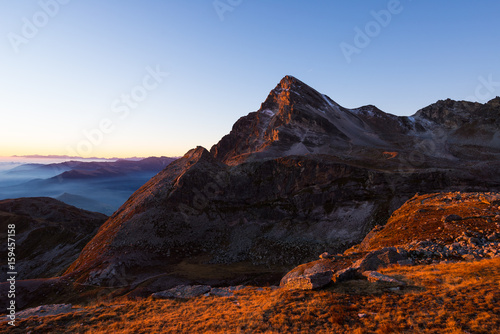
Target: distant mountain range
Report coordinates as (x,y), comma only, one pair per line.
(76,158)
(94,186)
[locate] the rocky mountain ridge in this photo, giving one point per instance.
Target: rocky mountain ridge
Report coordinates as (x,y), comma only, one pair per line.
(300,176)
(49,235)
(427,229)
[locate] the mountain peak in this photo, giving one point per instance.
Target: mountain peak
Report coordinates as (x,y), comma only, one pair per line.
(495,102)
(291,84)
(289,81)
(289,92)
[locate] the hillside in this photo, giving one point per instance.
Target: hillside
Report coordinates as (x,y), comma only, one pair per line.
(300,176)
(454,295)
(49,235)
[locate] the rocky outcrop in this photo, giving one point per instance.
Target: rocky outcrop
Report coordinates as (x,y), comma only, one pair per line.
(49,235)
(441,222)
(432,228)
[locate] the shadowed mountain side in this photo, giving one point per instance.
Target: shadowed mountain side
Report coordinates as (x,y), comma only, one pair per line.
(49,235)
(301,176)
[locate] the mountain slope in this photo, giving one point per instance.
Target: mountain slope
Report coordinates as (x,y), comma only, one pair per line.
(49,235)
(295,119)
(300,176)
(453,296)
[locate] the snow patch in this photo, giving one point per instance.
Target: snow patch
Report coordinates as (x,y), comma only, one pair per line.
(268,112)
(366,112)
(327,99)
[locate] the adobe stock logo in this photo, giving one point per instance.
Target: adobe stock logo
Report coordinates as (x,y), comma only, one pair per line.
(372,29)
(31,27)
(223,6)
(486,89)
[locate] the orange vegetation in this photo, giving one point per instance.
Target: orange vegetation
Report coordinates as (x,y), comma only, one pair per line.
(444,298)
(390,155)
(424,217)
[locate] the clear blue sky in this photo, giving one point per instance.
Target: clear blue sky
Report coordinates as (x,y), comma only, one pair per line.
(71,74)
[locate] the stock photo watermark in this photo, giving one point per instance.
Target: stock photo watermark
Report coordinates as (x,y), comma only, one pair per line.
(11,273)
(372,29)
(486,89)
(224,6)
(31,26)
(121,109)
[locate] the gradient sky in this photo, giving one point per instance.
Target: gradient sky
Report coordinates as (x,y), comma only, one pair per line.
(71,74)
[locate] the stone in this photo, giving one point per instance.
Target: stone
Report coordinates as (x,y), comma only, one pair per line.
(473,241)
(406,262)
(469,257)
(309,282)
(325,255)
(494,236)
(375,277)
(46,310)
(183,292)
(378,259)
(308,276)
(226,291)
(346,275)
(452,218)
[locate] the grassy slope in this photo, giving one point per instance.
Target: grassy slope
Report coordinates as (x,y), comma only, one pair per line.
(444,298)
(461,297)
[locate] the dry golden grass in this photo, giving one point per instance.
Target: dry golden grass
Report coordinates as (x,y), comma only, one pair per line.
(423,217)
(444,298)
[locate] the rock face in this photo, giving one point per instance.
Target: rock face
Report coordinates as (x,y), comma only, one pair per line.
(419,233)
(49,235)
(300,176)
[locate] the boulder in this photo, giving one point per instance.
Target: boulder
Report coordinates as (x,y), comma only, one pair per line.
(378,259)
(326,255)
(452,218)
(312,275)
(309,282)
(345,275)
